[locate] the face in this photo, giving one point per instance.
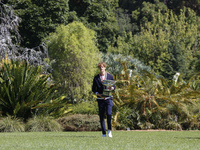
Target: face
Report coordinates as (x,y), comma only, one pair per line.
(102,69)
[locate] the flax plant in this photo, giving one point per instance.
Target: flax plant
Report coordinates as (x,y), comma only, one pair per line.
(25,90)
(154,102)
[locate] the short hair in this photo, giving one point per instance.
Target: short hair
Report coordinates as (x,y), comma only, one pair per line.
(101,64)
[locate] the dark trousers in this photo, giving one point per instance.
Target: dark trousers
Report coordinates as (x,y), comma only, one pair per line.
(105,105)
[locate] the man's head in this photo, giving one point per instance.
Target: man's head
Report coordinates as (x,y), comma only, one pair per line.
(102,67)
(101,64)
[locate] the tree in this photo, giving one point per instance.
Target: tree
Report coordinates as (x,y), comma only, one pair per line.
(124,22)
(148,9)
(10,40)
(98,15)
(177,5)
(131,5)
(141,11)
(74,50)
(138,13)
(39,18)
(167,44)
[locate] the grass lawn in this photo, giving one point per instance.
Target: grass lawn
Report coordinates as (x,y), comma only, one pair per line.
(122,140)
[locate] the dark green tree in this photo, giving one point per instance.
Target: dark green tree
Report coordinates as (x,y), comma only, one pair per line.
(39,18)
(99,16)
(124,22)
(148,9)
(10,47)
(130,5)
(177,5)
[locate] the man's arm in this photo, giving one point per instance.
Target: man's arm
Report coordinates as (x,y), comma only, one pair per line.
(94,86)
(111,78)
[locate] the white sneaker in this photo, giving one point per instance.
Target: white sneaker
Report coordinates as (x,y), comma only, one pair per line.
(109,133)
(103,135)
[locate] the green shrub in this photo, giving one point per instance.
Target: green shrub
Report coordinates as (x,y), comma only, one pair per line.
(192,123)
(79,122)
(23,88)
(85,108)
(42,123)
(172,125)
(9,124)
(76,60)
(146,126)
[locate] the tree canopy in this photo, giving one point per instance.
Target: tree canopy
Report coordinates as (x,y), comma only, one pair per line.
(163,37)
(75,53)
(39,18)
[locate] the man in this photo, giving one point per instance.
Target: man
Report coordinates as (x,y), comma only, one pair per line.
(104,103)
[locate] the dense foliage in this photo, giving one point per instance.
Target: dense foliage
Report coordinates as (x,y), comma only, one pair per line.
(146,101)
(151,47)
(39,18)
(168,44)
(74,51)
(25,90)
(10,39)
(126,27)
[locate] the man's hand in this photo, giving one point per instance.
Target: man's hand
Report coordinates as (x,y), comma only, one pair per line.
(111,88)
(99,95)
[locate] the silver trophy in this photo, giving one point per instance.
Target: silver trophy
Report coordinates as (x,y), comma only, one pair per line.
(107,85)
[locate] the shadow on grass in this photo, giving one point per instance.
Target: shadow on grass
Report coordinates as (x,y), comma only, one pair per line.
(192,138)
(73,136)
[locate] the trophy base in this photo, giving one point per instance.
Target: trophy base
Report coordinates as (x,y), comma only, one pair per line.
(107,93)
